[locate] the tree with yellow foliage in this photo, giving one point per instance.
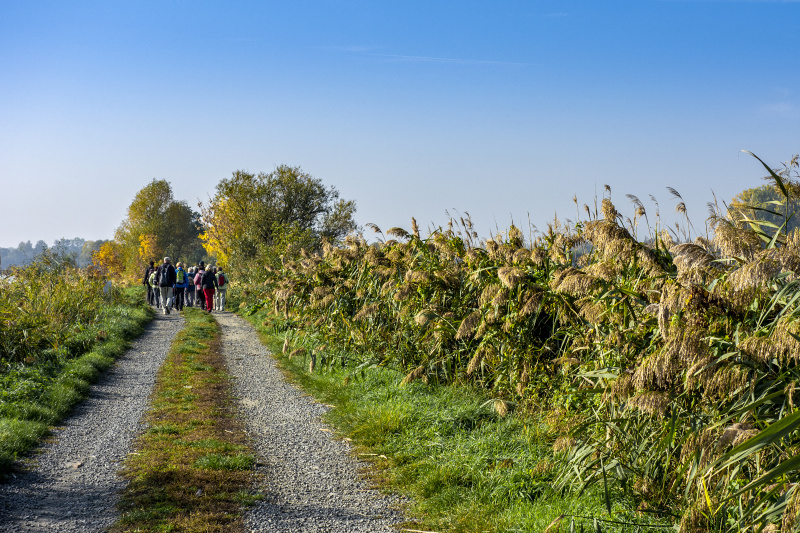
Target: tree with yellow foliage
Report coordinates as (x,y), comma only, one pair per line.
(108,260)
(158,225)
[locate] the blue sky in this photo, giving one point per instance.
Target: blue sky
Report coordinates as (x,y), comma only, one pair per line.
(502,109)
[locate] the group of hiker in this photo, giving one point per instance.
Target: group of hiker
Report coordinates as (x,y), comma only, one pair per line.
(172,287)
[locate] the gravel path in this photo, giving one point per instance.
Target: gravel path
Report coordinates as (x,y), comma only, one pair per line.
(312,482)
(74,484)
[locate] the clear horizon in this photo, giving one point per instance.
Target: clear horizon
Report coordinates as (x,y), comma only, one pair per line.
(410,108)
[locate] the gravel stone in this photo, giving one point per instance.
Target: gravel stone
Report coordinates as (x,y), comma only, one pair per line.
(312,482)
(311,479)
(72,483)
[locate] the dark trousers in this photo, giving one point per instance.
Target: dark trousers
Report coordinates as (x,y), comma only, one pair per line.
(150,299)
(178,298)
(202,298)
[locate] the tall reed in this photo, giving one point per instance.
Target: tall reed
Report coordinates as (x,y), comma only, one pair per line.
(668,366)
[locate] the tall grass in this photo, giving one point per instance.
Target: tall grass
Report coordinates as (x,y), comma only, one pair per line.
(667,367)
(59,329)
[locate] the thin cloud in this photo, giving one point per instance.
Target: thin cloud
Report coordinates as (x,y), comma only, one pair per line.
(454,61)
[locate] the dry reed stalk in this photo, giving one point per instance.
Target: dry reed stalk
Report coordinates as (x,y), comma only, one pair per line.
(414,375)
(396,254)
(622,387)
(523,381)
(722,383)
(424,318)
(468,325)
(789,521)
(736,434)
(321,292)
(538,256)
(416,276)
(476,360)
(403,293)
(510,276)
(654,403)
(521,256)
(400,233)
(657,370)
(501,407)
(605,270)
(297,352)
(488,293)
(592,311)
(474,255)
(367,311)
(384,272)
(532,302)
(324,302)
(735,241)
(694,263)
(703,441)
(500,298)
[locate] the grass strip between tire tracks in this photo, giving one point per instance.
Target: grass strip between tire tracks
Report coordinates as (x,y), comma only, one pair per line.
(192,469)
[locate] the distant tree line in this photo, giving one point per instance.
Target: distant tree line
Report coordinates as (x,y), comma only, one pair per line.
(77,249)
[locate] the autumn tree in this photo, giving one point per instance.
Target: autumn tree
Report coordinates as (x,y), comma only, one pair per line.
(158,225)
(255,217)
(108,259)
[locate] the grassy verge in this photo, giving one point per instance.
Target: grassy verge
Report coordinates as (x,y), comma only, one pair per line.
(464,466)
(191,470)
(36,396)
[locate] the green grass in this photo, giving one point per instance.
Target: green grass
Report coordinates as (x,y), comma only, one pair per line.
(192,469)
(464,467)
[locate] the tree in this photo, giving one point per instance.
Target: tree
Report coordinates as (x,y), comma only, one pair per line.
(252,216)
(158,225)
(87,251)
(108,259)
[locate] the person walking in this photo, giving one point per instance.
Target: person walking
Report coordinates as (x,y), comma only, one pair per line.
(209,283)
(181,282)
(154,288)
(166,281)
(198,284)
(190,287)
(222,289)
(146,282)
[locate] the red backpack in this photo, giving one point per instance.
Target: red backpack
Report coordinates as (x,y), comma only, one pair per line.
(221,279)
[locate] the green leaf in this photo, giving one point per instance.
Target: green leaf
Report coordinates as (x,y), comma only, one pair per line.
(787,466)
(778,180)
(772,434)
